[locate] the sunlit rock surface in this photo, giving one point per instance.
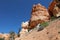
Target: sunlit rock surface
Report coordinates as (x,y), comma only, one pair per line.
(51,32)
(54,8)
(39,14)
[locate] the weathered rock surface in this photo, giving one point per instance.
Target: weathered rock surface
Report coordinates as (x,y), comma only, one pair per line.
(54,8)
(5,36)
(39,14)
(51,7)
(51,32)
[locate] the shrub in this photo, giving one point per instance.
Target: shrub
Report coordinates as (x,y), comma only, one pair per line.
(53,18)
(1,38)
(12,34)
(44,24)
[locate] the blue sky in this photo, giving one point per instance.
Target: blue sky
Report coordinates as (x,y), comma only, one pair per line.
(13,12)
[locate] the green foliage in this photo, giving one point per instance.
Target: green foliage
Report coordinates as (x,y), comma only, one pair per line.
(44,24)
(53,18)
(1,38)
(12,34)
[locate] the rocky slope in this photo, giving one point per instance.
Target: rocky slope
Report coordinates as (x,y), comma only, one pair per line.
(40,15)
(51,32)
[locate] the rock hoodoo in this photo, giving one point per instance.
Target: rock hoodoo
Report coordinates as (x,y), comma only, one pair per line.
(39,14)
(24,28)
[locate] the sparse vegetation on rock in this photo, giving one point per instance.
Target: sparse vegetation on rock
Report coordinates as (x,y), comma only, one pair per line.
(43,20)
(12,34)
(44,24)
(1,38)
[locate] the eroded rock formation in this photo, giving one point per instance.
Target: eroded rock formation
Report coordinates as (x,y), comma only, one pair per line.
(5,36)
(54,8)
(24,29)
(39,14)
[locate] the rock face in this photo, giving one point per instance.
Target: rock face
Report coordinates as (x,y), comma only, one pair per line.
(49,33)
(39,14)
(51,7)
(5,36)
(25,24)
(54,8)
(24,28)
(17,38)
